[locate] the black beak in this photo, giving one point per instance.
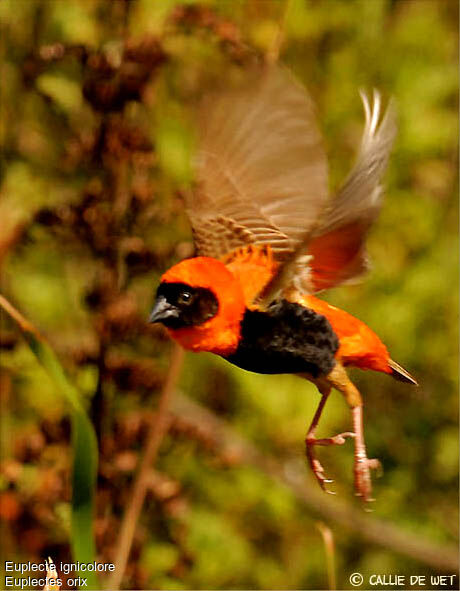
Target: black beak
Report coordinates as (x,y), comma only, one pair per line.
(162,310)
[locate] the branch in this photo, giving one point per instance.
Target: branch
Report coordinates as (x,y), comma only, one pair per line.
(158,429)
(291,473)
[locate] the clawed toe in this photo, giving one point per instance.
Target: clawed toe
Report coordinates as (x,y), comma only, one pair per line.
(318,471)
(336,440)
(341,438)
(362,470)
(315,464)
(363,484)
(375,464)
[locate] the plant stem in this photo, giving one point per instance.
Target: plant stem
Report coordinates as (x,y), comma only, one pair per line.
(329,548)
(157,431)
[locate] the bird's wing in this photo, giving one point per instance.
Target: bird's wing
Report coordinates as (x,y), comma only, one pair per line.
(261,170)
(335,252)
(338,242)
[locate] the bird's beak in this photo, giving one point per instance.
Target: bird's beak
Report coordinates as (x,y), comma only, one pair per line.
(162,310)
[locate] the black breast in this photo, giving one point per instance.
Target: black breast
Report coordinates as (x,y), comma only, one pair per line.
(286,338)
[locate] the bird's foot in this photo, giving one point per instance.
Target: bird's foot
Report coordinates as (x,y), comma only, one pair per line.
(363,483)
(315,464)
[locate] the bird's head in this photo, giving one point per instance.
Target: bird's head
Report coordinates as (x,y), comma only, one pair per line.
(201,303)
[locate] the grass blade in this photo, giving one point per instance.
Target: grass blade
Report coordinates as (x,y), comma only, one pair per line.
(84,445)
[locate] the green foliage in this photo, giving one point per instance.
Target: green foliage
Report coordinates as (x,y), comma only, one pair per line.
(84,449)
(97,135)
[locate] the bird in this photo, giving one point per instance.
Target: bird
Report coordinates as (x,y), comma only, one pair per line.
(269,236)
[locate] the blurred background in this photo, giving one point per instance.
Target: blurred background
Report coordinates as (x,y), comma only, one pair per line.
(97,133)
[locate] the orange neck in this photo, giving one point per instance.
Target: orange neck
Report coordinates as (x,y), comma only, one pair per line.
(221,341)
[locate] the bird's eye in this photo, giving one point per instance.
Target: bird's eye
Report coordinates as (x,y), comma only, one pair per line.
(185,297)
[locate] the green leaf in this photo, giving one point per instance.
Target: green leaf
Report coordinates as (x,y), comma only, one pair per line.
(84,445)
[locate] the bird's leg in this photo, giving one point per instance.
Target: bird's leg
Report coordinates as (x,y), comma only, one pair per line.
(363,465)
(311,441)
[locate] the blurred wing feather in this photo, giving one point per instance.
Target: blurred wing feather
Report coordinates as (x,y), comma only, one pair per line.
(335,252)
(261,170)
(338,244)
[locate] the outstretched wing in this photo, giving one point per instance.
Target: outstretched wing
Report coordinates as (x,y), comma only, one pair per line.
(261,170)
(338,243)
(335,252)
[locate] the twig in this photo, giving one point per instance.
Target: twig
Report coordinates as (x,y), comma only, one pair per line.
(24,324)
(329,548)
(291,473)
(157,431)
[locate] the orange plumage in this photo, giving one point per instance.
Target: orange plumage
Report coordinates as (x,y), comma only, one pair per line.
(359,345)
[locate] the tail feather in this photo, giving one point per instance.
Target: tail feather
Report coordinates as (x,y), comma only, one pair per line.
(399,373)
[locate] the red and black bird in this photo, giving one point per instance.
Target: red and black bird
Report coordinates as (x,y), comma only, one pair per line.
(269,237)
